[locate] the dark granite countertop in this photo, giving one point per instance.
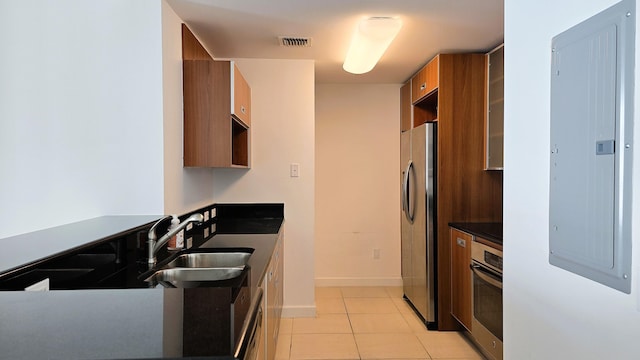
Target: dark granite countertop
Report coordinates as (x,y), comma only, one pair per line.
(490,231)
(134,320)
(34,247)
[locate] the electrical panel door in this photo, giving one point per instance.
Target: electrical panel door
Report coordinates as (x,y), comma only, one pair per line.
(591,134)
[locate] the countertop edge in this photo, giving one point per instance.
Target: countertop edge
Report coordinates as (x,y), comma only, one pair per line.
(491,231)
(35,247)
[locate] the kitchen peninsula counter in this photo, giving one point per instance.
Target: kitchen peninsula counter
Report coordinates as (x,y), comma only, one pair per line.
(133,320)
(35,247)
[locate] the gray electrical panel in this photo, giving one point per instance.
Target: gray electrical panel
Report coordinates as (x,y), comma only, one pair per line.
(592,84)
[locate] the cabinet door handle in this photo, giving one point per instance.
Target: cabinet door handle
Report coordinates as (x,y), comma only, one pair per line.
(423,86)
(461,242)
(244,111)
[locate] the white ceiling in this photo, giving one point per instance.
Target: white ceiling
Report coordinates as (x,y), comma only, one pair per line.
(250,29)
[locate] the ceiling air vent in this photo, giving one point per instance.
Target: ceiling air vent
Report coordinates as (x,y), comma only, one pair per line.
(293,41)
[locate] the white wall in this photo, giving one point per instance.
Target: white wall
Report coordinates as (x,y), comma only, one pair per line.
(550,313)
(80,111)
(282,130)
(185,189)
(357,185)
(91,113)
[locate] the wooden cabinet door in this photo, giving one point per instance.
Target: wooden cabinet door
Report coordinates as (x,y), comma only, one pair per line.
(461,307)
(405,106)
(425,81)
(274,297)
(217,109)
(241,99)
(214,136)
(205,143)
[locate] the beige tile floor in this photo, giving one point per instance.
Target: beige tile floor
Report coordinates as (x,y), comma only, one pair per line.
(367,323)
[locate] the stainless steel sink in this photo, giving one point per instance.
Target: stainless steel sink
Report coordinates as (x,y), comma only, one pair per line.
(210,260)
(195,269)
(182,275)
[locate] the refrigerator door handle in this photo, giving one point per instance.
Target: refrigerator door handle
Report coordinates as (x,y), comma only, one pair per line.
(406,192)
(404,197)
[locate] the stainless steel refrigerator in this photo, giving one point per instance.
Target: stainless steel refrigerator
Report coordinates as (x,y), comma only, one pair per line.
(418,161)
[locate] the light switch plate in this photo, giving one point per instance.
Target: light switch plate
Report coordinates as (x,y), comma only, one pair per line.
(294,170)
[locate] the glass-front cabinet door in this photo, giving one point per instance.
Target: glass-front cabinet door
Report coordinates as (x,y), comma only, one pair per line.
(494,137)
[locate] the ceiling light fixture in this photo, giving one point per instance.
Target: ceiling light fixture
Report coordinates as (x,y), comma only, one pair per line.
(371,39)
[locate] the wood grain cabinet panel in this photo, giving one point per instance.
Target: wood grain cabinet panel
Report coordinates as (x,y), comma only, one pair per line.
(213,136)
(217,109)
(405,107)
(461,307)
(454,97)
(424,93)
(241,99)
(426,80)
(466,193)
(191,47)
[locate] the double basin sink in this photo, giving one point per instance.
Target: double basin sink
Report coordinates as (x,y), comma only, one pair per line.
(191,269)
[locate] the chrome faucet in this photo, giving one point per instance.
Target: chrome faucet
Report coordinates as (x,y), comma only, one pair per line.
(154,245)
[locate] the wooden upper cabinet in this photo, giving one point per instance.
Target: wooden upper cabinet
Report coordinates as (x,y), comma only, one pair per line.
(240,96)
(213,135)
(405,106)
(191,47)
(217,109)
(461,282)
(424,93)
(425,81)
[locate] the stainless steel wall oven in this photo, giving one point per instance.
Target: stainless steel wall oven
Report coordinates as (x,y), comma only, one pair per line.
(486,266)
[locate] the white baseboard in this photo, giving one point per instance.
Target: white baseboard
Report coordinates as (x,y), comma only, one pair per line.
(298,311)
(343,281)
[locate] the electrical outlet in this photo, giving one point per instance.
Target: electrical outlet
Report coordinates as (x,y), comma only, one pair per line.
(376,254)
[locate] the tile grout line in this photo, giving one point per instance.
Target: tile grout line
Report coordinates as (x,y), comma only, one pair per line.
(353,333)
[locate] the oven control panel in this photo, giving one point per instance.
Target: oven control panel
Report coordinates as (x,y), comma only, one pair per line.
(487,256)
(493,260)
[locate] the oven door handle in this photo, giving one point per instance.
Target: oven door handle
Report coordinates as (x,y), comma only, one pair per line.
(486,276)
